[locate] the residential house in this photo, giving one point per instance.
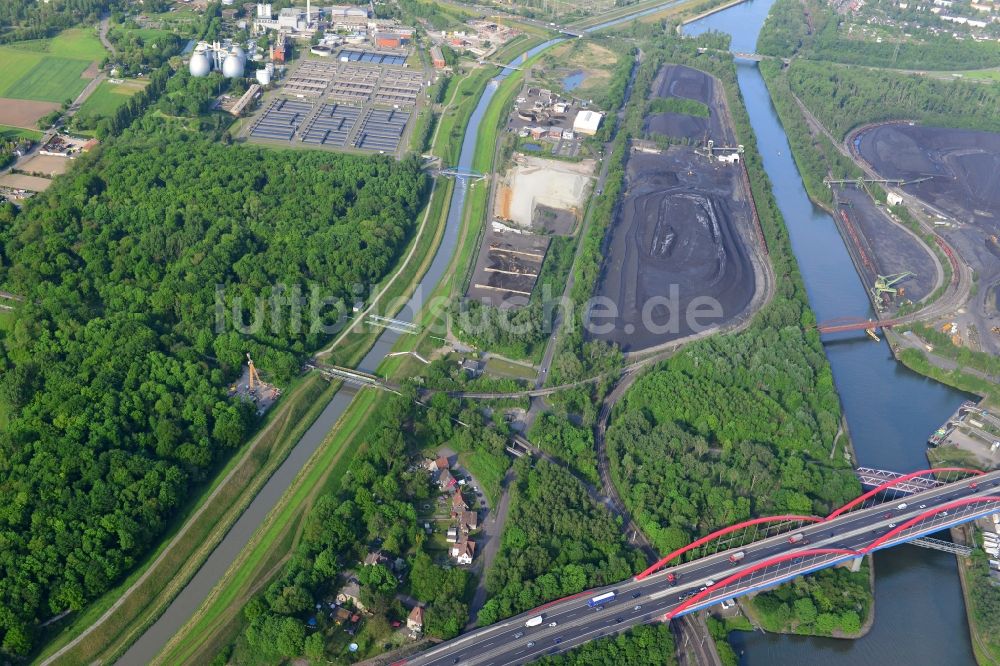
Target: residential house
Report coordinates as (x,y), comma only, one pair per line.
(374,558)
(464,551)
(452,535)
(458,504)
(351,593)
(446,480)
(469,520)
(415,620)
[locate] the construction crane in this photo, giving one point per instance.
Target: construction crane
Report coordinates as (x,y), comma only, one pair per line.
(254,377)
(885,289)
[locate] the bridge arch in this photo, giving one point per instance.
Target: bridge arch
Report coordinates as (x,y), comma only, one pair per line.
(900,479)
(778,559)
(725,530)
(927,514)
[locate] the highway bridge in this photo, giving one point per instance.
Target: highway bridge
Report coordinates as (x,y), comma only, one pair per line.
(773,550)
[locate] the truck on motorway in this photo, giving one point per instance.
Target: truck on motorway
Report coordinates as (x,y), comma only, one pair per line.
(736,557)
(534,621)
(601,599)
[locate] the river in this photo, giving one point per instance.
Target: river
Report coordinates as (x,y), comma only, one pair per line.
(920,614)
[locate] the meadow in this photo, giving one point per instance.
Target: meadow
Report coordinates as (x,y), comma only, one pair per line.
(49,70)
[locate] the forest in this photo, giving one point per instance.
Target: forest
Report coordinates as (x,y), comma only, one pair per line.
(787,32)
(644,645)
(984,601)
(824,603)
(843,98)
(117,365)
(558,541)
(20,20)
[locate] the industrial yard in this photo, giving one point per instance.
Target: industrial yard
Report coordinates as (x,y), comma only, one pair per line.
(359,99)
(958,188)
(686,228)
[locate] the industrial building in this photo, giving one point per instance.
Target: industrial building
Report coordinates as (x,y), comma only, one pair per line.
(207,58)
(587,122)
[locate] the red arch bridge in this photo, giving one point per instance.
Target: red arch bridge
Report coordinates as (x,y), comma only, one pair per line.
(734,561)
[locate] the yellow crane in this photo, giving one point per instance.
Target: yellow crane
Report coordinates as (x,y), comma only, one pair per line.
(254,377)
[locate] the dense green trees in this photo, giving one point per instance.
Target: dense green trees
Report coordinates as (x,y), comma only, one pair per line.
(20,20)
(822,35)
(115,365)
(558,541)
(845,97)
(828,602)
(646,645)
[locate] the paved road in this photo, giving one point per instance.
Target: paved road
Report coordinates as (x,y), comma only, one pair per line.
(489,538)
(645,601)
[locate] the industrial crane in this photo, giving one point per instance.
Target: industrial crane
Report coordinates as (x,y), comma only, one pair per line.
(254,377)
(885,290)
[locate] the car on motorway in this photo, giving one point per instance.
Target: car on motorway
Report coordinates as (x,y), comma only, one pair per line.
(531,643)
(974,485)
(558,639)
(891,525)
(887,514)
(922,506)
(902,506)
(637,608)
(553,623)
(672,578)
(519,634)
(635,595)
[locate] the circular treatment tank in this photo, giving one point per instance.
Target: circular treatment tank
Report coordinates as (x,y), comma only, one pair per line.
(232,67)
(263,77)
(200,65)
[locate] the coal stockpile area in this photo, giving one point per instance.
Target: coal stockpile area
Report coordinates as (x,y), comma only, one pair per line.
(965,166)
(676,237)
(507,268)
(679,81)
(880,247)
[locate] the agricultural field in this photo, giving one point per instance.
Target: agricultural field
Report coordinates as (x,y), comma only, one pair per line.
(8,133)
(46,70)
(109,96)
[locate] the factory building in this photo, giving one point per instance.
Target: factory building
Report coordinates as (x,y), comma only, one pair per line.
(587,122)
(437,58)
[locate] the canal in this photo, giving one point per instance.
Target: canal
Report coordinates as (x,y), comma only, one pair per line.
(919,611)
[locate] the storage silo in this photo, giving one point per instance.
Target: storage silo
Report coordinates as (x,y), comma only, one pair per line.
(200,64)
(232,67)
(263,77)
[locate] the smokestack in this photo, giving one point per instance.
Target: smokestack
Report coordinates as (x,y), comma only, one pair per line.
(308,15)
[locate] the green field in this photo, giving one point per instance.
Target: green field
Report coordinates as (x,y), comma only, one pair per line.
(108,97)
(15,65)
(49,70)
(8,133)
(75,43)
(53,79)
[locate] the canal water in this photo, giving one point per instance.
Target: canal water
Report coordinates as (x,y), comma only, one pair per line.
(919,611)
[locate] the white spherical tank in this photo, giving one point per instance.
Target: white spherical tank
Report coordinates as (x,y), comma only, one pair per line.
(232,67)
(200,65)
(240,53)
(263,77)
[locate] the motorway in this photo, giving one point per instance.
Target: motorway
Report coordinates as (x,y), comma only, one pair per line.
(571,622)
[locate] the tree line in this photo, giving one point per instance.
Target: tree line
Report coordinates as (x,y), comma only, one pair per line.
(843,98)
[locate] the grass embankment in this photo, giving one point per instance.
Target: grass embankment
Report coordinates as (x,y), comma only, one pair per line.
(195,533)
